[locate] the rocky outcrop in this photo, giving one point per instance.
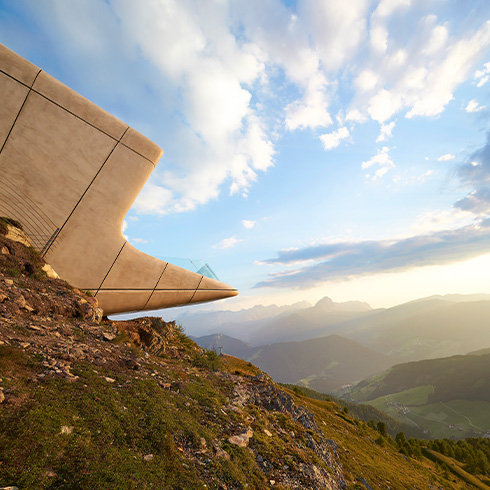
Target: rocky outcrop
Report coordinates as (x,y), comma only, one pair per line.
(26,288)
(261,392)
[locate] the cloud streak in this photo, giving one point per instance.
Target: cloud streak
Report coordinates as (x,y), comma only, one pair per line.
(227,243)
(311,266)
(346,260)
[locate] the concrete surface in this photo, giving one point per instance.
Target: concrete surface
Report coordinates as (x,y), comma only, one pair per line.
(70,172)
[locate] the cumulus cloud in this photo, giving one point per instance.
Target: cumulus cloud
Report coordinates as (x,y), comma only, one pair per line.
(482,76)
(418,75)
(451,70)
(332,140)
(385,132)
(382,161)
(248,223)
(446,157)
(227,243)
(473,106)
(345,259)
(221,81)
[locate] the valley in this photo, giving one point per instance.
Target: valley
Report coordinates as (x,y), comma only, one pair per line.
(361,356)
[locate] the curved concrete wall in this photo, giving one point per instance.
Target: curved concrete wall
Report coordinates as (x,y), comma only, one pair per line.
(69,172)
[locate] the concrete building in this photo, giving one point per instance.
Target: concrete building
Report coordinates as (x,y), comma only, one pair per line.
(69,172)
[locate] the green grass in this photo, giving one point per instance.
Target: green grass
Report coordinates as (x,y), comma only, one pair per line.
(453,419)
(90,433)
(456,468)
(412,397)
(112,427)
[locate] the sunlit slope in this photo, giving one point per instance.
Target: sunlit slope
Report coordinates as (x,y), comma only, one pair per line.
(449,397)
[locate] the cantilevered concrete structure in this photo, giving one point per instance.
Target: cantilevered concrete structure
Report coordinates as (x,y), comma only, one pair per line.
(69,172)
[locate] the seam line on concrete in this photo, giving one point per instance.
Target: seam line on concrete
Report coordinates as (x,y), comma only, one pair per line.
(84,192)
(19,81)
(190,301)
(21,107)
(110,268)
(73,114)
(95,127)
(156,284)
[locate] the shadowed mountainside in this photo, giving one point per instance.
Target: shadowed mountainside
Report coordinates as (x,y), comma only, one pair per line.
(323,364)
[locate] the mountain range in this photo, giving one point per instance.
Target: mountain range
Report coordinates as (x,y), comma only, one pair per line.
(430,327)
(323,340)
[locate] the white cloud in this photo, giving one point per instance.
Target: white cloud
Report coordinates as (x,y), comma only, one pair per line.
(248,223)
(385,132)
(446,157)
(418,74)
(338,28)
(153,199)
(378,34)
(227,78)
(218,138)
(227,243)
(482,76)
(139,240)
(382,160)
(384,105)
(432,221)
(451,70)
(366,80)
(332,140)
(312,111)
(473,106)
(124,227)
(355,115)
(438,38)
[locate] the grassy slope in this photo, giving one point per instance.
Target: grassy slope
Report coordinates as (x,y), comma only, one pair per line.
(115,425)
(381,466)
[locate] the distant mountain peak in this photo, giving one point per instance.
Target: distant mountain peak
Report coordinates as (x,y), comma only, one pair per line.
(328,305)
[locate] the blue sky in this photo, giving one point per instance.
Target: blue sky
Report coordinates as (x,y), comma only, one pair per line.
(311,148)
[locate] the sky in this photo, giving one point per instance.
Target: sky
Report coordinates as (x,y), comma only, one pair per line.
(311,148)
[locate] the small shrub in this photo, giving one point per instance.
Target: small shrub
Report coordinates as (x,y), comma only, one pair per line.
(209,359)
